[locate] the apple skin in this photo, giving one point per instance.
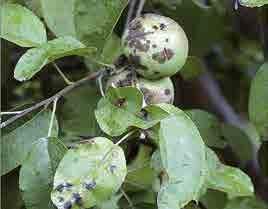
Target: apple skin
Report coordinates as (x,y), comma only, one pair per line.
(156,44)
(154,91)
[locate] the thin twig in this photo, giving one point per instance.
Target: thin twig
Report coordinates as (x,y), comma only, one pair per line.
(127,198)
(52,117)
(67,81)
(117,143)
(100,85)
(263,24)
(130,13)
(125,137)
(51,99)
(140,7)
(11,113)
(218,100)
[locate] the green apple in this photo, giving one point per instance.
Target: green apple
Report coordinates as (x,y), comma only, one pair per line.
(154,91)
(156,44)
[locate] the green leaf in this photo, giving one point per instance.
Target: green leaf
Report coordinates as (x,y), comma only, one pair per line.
(120,110)
(183,155)
(111,203)
(246,203)
(112,49)
(239,141)
(192,205)
(66,46)
(35,59)
(19,142)
(113,120)
(35,6)
(208,126)
(89,174)
(192,68)
(262,157)
(156,162)
(21,26)
(258,100)
(30,63)
(227,179)
(214,199)
(131,98)
(160,175)
(60,23)
(77,116)
(140,174)
(94,24)
(36,174)
(56,149)
(141,198)
(112,112)
(10,193)
(253,3)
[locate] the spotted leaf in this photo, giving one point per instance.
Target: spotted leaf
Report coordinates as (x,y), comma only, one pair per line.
(89,174)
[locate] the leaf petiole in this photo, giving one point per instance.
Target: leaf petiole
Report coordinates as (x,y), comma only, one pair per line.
(52,117)
(128,199)
(67,81)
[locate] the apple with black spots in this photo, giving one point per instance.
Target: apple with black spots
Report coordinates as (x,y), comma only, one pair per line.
(156,44)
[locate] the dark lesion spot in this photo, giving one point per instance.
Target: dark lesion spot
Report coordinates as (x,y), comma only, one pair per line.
(162,26)
(77,198)
(59,188)
(155,27)
(139,45)
(63,186)
(124,82)
(135,25)
(163,56)
(154,45)
(158,57)
(67,205)
(113,168)
(143,113)
(161,176)
(134,59)
(167,91)
(167,40)
(136,37)
(121,102)
(168,53)
(90,185)
(60,199)
(148,96)
(121,61)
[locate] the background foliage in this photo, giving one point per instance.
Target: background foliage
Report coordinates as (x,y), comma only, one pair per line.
(211,152)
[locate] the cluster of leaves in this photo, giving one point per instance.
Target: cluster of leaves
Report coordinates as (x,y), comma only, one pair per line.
(174,167)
